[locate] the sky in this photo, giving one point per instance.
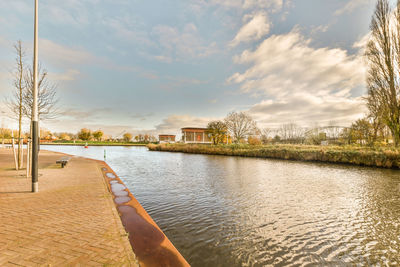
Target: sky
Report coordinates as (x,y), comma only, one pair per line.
(157,66)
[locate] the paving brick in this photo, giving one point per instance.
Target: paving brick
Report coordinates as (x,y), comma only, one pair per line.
(71,221)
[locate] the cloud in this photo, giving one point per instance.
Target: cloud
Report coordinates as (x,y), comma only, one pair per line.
(306,109)
(4,42)
(273,5)
(295,77)
(350,6)
(62,61)
(68,75)
(71,13)
(142,116)
(60,55)
(126,29)
(5,81)
(170,83)
(173,123)
(87,114)
(362,42)
(255,29)
(286,63)
(180,45)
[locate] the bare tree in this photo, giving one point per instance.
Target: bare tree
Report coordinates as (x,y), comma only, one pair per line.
(383,53)
(15,103)
(291,132)
(47,96)
(265,135)
(240,125)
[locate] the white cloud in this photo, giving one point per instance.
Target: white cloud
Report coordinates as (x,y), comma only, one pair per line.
(61,55)
(307,109)
(175,44)
(68,75)
(274,5)
(126,29)
(362,43)
(62,61)
(5,81)
(300,81)
(173,123)
(255,29)
(283,63)
(350,6)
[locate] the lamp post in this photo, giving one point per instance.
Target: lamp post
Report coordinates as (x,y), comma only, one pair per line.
(35,119)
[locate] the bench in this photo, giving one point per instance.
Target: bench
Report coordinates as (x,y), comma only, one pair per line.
(63,161)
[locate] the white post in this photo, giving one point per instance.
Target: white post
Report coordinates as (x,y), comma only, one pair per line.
(28,148)
(13,148)
(22,153)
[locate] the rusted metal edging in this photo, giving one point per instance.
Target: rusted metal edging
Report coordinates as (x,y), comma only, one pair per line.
(151,246)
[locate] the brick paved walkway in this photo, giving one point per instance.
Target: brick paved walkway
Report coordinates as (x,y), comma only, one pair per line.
(71,221)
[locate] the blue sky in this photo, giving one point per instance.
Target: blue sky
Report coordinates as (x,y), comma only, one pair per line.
(157,66)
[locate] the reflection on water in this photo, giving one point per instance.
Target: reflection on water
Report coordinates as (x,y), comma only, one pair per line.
(231,211)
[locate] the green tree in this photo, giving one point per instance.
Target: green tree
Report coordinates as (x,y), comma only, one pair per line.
(98,135)
(5,134)
(127,137)
(218,131)
(85,134)
(361,131)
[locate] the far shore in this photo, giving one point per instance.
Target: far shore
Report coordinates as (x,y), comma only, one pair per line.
(93,144)
(380,157)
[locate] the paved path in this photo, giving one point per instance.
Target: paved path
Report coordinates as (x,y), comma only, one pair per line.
(71,221)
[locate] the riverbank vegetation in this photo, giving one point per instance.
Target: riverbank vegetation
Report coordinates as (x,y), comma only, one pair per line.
(385,157)
(82,137)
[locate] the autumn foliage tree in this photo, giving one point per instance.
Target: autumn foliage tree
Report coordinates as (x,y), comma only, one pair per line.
(85,134)
(218,131)
(127,137)
(361,131)
(98,135)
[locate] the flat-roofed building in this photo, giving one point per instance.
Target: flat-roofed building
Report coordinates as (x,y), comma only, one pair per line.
(195,135)
(166,138)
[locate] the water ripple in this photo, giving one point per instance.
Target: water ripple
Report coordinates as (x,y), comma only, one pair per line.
(226,211)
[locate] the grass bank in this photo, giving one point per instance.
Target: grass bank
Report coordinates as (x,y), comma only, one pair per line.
(363,156)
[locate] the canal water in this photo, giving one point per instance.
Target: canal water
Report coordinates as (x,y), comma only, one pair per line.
(233,211)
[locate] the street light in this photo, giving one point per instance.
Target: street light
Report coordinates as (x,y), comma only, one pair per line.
(35,130)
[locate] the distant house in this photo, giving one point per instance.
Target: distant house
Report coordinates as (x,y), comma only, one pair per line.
(166,138)
(195,136)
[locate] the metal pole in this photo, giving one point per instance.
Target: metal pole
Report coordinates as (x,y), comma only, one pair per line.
(35,118)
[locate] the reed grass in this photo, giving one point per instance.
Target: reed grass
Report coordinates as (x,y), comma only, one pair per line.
(383,157)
